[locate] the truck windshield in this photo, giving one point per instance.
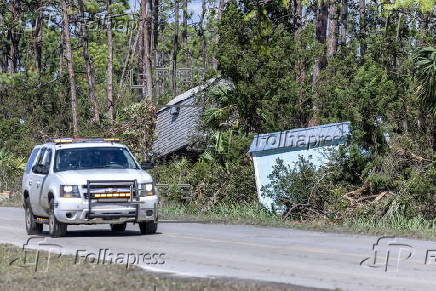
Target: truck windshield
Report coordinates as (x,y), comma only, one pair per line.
(93,158)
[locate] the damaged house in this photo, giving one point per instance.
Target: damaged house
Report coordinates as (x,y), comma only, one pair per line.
(178,122)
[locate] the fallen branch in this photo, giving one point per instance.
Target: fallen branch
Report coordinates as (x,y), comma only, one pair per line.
(293,208)
(376,196)
(420,159)
(357,191)
(402,152)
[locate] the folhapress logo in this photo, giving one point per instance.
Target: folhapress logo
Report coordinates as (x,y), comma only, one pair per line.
(37,253)
(387,255)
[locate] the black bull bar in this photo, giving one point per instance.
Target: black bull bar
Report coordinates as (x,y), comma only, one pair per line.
(133,198)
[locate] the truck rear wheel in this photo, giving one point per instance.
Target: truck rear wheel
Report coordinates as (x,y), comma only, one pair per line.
(148,227)
(31,226)
(119,227)
(55,227)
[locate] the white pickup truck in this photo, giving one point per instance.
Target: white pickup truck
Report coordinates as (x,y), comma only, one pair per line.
(87,181)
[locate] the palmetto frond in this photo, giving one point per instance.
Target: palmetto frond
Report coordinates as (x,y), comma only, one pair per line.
(425,72)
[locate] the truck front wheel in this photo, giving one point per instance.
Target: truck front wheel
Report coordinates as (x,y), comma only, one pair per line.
(55,227)
(148,227)
(118,227)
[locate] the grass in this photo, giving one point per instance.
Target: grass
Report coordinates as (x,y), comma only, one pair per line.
(13,201)
(63,273)
(255,214)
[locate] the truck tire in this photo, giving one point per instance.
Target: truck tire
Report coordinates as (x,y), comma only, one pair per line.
(119,227)
(148,227)
(55,227)
(31,226)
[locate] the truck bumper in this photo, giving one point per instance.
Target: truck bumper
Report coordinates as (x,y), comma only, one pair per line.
(76,211)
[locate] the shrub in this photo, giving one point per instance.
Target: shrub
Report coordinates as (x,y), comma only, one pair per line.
(210,182)
(11,170)
(16,136)
(135,125)
(418,195)
(294,189)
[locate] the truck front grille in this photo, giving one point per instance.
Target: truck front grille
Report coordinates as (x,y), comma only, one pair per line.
(104,190)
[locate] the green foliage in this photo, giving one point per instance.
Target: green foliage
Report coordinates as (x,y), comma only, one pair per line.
(15,136)
(364,95)
(11,169)
(291,186)
(423,5)
(425,62)
(41,102)
(217,177)
(258,55)
(418,194)
(135,126)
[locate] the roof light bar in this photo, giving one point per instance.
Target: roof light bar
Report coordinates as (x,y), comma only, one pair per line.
(71,140)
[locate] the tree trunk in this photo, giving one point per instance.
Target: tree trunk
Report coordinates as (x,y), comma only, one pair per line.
(202,33)
(69,59)
(146,60)
(300,64)
(300,70)
(221,6)
(344,20)
(90,71)
(175,48)
(110,97)
(130,53)
(362,27)
(398,30)
(14,36)
(150,25)
(321,21)
(155,24)
(61,55)
(297,22)
(37,35)
(333,30)
(297,19)
(185,24)
(321,34)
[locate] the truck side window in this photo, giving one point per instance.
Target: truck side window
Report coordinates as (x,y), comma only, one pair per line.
(47,158)
(40,156)
(31,160)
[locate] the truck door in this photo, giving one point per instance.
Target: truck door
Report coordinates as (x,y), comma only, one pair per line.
(27,177)
(38,178)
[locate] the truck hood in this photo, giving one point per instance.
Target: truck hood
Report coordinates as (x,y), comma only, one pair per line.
(80,177)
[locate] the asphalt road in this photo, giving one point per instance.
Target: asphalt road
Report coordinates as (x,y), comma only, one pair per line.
(305,258)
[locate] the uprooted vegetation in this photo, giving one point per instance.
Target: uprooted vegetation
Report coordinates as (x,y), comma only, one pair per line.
(398,183)
(357,186)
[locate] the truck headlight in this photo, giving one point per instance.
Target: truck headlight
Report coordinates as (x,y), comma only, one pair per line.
(146,189)
(69,191)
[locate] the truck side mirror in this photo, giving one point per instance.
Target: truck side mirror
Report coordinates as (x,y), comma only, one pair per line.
(40,169)
(35,169)
(147,165)
(43,170)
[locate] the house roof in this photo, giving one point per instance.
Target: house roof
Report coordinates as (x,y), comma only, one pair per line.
(301,137)
(178,121)
(189,94)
